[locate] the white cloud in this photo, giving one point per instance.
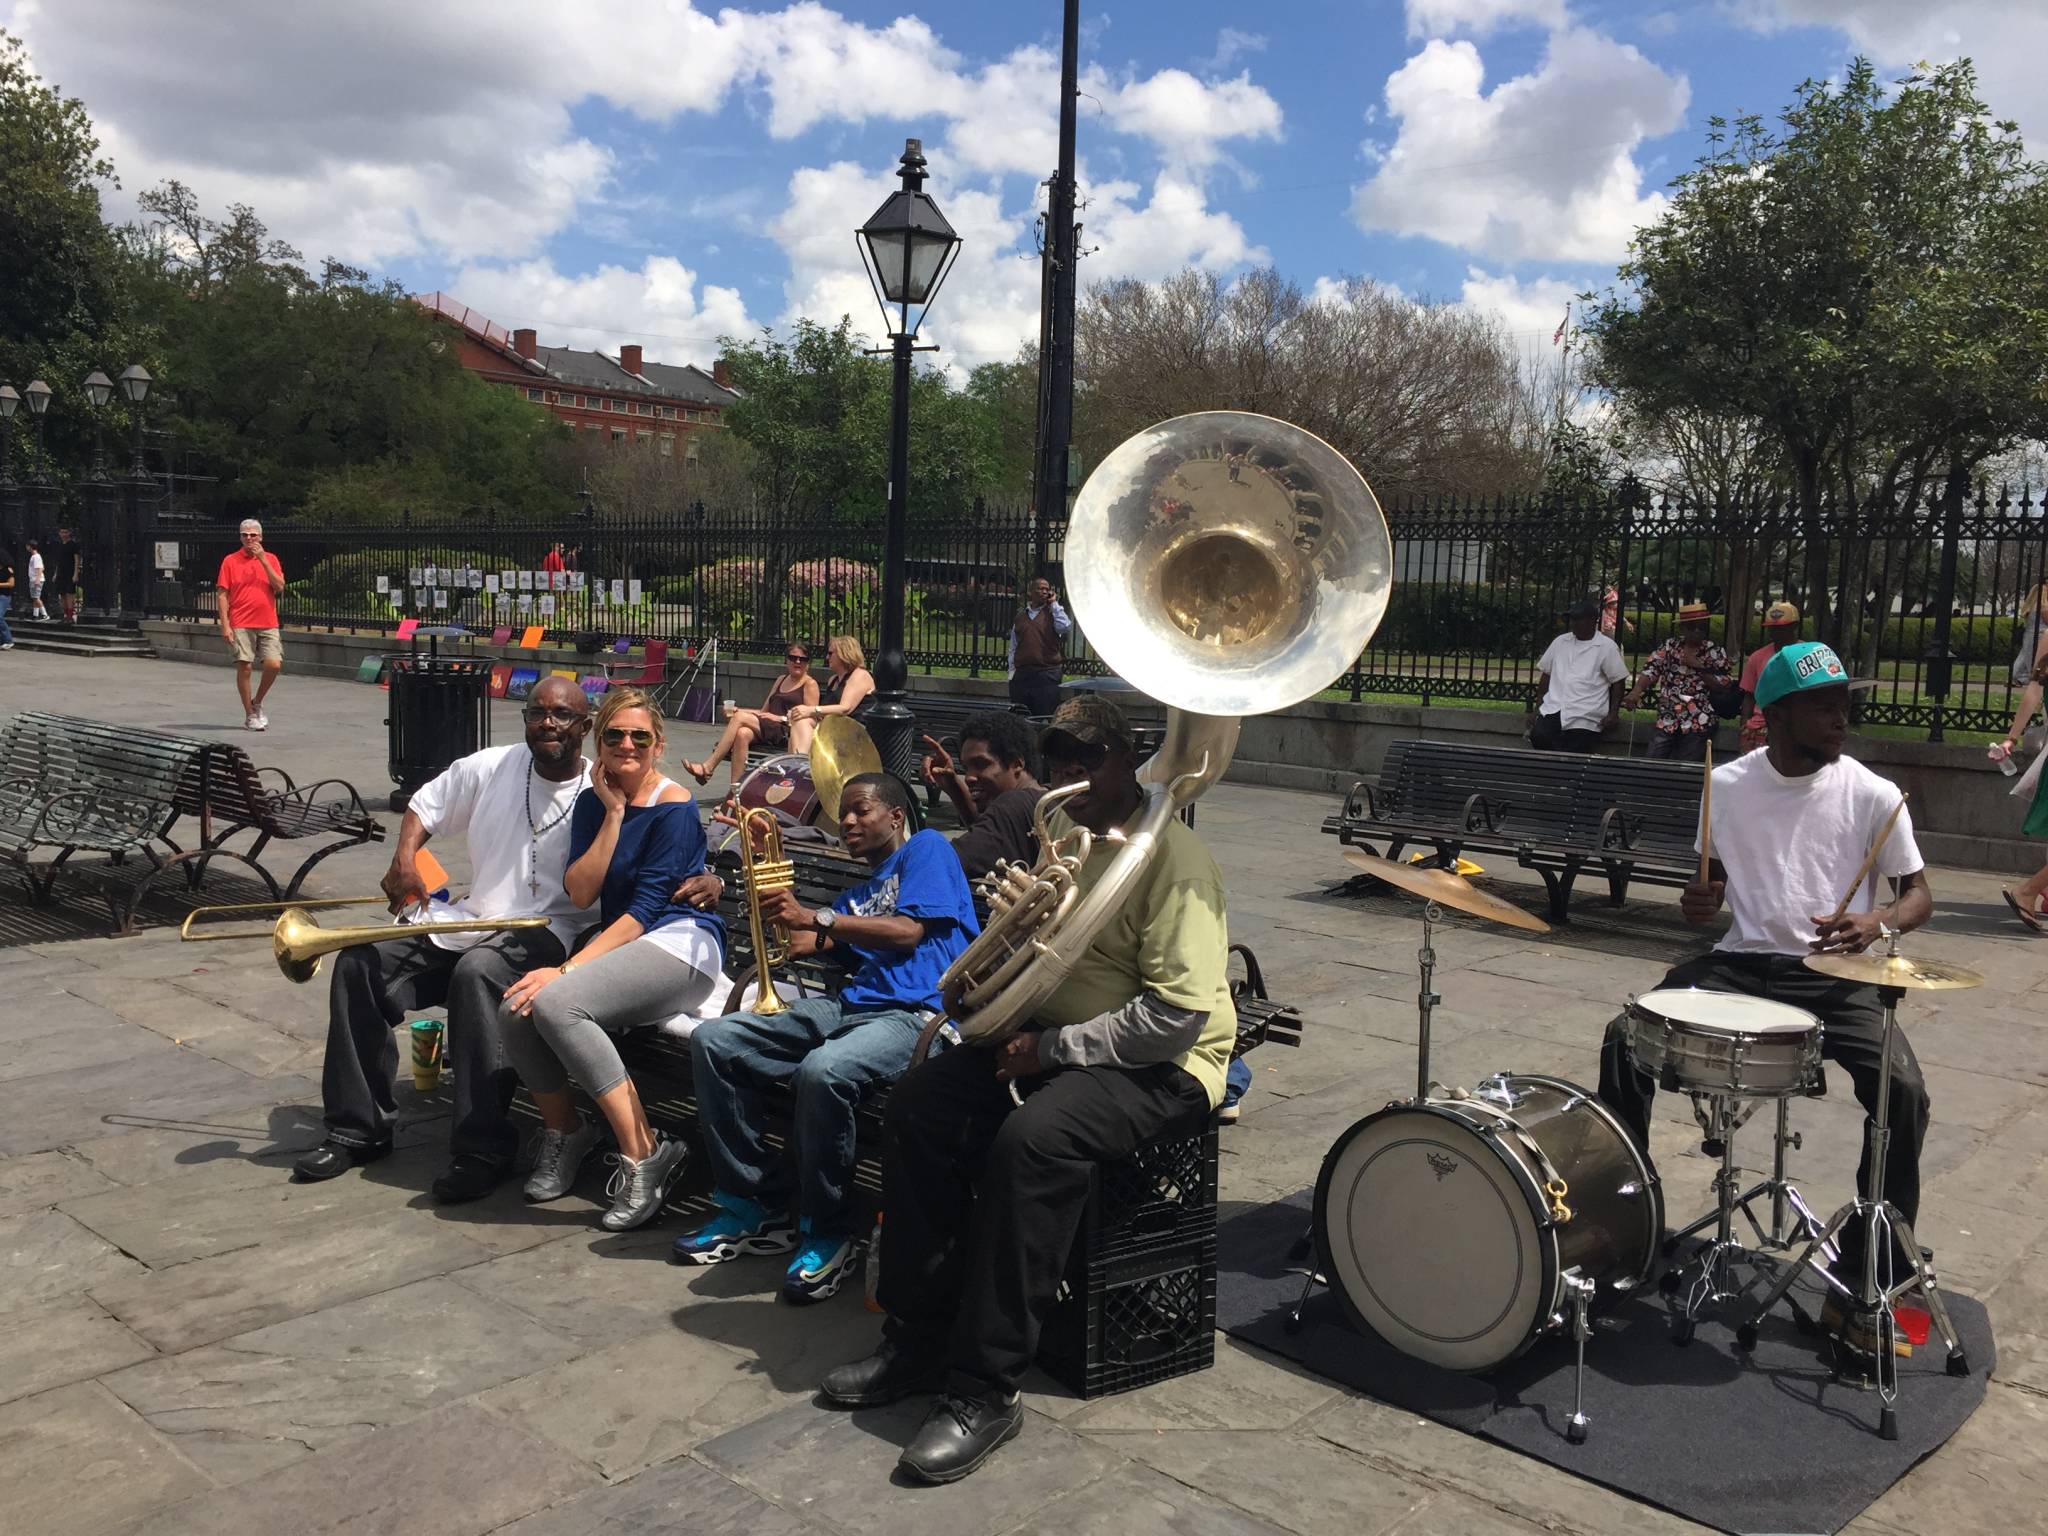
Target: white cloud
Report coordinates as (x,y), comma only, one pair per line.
(1539,167)
(2006,38)
(1232,45)
(674,320)
(1528,309)
(1442,18)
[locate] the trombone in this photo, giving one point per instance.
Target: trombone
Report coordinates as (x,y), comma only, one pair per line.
(300,944)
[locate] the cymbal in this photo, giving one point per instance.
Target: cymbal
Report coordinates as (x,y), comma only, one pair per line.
(1904,971)
(841,750)
(1447,889)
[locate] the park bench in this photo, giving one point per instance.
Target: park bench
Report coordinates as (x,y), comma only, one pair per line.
(1557,813)
(1139,1304)
(80,785)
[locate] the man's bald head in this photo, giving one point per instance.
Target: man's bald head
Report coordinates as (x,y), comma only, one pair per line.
(557,717)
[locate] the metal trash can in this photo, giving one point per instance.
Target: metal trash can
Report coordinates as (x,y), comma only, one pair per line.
(440,710)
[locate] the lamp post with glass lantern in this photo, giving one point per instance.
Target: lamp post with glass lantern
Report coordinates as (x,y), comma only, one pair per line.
(99,389)
(135,382)
(907,248)
(38,396)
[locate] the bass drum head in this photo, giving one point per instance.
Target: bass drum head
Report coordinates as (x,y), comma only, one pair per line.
(1430,1239)
(782,785)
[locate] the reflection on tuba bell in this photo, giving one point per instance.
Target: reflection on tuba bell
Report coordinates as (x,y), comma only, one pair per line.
(1226,564)
(764,867)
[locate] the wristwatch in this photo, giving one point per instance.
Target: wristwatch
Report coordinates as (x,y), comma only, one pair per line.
(824,918)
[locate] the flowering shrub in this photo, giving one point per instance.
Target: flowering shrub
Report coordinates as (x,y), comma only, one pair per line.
(833,577)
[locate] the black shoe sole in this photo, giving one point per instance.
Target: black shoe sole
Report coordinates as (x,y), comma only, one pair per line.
(883,1397)
(954,1474)
(357,1158)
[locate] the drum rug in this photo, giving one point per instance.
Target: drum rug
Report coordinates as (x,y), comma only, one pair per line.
(1670,1425)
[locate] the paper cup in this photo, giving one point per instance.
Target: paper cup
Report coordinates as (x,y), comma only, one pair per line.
(426,1054)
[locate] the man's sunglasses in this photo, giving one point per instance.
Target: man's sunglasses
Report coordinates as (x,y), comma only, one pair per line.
(539,714)
(619,735)
(1086,755)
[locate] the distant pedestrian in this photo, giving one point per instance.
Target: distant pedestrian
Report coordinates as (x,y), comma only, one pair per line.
(1686,670)
(2026,899)
(69,573)
(1781,628)
(6,596)
(35,581)
(250,583)
(1578,685)
(552,560)
(1610,612)
(1036,656)
(2033,612)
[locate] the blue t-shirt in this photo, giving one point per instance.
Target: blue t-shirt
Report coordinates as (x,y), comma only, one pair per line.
(659,847)
(922,879)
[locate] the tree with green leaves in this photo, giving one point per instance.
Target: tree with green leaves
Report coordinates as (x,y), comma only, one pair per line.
(1867,280)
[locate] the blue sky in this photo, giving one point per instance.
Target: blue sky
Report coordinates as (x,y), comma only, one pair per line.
(610,171)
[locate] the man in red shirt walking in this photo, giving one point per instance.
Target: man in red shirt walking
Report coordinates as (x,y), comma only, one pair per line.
(249,585)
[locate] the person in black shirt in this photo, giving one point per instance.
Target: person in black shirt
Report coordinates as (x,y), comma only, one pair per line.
(65,574)
(6,596)
(995,788)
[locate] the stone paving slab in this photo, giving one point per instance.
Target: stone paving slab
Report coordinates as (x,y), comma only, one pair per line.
(42,1179)
(56,1343)
(677,1498)
(162,1082)
(45,1255)
(1295,1479)
(1137,1501)
(77,1462)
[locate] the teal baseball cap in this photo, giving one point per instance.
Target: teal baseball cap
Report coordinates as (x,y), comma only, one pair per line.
(1800,667)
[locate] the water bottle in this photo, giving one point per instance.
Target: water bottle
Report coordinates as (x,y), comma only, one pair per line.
(872,1269)
(2001,754)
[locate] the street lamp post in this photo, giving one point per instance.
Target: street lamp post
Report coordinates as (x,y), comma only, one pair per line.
(38,396)
(10,402)
(907,248)
(99,389)
(135,382)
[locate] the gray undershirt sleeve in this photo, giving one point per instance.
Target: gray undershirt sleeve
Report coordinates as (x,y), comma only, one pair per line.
(1145,1030)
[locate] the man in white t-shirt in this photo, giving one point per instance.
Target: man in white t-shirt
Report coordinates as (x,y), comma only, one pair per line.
(1792,825)
(1579,686)
(512,805)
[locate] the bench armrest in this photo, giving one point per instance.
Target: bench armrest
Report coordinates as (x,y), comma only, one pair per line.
(1618,829)
(1481,814)
(289,787)
(130,819)
(1254,984)
(350,801)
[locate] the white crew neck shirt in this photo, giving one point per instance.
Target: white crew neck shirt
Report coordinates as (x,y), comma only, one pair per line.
(490,796)
(1581,673)
(1791,847)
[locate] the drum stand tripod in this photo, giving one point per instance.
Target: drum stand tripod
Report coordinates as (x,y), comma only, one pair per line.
(1884,1231)
(1720,1119)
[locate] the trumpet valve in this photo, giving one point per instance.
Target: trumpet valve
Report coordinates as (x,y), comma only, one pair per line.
(773,874)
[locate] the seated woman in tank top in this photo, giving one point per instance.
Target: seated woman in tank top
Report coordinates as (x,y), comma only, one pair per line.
(634,839)
(849,688)
(770,725)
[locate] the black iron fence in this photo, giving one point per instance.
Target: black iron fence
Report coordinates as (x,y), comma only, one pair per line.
(1927,599)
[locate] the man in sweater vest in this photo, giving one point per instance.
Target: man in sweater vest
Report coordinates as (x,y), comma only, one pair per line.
(1036,642)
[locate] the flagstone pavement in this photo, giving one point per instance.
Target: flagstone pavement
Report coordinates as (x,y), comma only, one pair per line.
(189,1342)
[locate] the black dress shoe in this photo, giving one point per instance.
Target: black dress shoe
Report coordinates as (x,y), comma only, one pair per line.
(331,1159)
(888,1375)
(960,1433)
(469,1177)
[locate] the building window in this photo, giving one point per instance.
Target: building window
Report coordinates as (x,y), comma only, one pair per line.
(533,394)
(643,438)
(618,436)
(668,445)
(591,426)
(689,450)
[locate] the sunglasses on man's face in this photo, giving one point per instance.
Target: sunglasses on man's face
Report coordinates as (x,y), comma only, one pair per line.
(540,714)
(619,735)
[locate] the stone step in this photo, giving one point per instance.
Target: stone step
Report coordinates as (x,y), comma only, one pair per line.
(78,639)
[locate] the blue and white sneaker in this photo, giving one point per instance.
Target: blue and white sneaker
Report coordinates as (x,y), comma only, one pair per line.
(741,1226)
(821,1264)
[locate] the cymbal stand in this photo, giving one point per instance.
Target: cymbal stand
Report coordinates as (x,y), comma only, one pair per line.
(1426,1000)
(1885,1232)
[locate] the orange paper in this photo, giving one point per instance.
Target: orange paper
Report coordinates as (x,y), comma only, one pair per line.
(531,638)
(431,874)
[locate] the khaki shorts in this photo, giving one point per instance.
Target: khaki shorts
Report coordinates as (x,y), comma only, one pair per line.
(258,645)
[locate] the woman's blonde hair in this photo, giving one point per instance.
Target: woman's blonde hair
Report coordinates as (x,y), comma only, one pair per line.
(844,648)
(617,701)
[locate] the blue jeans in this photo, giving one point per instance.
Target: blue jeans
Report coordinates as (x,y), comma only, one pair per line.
(1236,1081)
(829,1056)
(6,634)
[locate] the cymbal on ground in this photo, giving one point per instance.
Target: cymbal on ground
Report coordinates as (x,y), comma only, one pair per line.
(1447,889)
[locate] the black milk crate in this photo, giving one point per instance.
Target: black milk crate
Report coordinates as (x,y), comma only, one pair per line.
(1130,1322)
(1163,1194)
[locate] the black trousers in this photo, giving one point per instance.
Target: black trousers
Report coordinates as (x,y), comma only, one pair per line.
(1852,1025)
(1549,735)
(1679,746)
(985,1198)
(376,985)
(1038,691)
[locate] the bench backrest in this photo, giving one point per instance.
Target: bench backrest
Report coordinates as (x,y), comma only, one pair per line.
(1533,793)
(63,753)
(822,875)
(1659,800)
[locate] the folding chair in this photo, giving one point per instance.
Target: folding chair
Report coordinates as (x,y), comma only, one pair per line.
(652,669)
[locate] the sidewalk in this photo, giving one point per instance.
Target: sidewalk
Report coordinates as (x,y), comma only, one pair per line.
(191,1343)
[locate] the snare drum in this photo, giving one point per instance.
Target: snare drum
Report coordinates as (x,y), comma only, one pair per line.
(1724,1042)
(1449,1227)
(782,785)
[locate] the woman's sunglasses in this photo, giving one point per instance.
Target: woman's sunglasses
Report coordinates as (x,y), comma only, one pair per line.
(797,656)
(618,736)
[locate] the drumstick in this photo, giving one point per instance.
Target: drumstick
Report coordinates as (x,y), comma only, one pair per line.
(1707,815)
(1884,833)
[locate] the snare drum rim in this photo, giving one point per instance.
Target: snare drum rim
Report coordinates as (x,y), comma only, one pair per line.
(1547,1281)
(1640,1004)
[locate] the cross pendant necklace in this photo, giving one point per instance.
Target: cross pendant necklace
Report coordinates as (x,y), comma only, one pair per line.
(536,831)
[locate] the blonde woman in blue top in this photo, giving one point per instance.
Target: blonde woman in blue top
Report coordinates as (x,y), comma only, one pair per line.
(634,838)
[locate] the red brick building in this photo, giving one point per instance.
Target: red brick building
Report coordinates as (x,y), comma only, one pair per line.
(621,400)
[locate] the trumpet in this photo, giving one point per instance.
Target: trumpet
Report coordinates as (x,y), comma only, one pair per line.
(764,867)
(300,944)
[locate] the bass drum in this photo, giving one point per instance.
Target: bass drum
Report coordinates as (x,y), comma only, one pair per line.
(1436,1221)
(782,785)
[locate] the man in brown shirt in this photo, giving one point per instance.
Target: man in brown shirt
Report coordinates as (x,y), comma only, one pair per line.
(1037,641)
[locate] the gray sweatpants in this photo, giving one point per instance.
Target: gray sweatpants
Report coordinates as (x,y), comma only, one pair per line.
(569,1032)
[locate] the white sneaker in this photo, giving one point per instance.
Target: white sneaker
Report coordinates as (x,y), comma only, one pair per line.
(252,721)
(8,646)
(555,1167)
(262,720)
(638,1189)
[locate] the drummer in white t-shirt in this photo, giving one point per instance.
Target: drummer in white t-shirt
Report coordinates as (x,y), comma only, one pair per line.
(1791,827)
(1578,685)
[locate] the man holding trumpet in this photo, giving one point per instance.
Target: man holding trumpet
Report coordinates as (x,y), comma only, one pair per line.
(1794,841)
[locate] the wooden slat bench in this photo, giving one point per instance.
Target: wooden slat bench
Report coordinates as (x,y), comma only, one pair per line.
(1557,813)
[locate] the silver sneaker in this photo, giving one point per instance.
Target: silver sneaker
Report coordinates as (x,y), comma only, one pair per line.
(638,1189)
(555,1165)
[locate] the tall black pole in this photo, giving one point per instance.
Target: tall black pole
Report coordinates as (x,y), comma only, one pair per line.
(890,721)
(1056,326)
